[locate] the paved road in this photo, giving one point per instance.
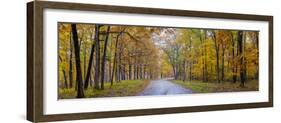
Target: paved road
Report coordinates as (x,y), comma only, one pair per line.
(164,87)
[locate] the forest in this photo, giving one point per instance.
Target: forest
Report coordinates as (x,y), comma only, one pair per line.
(100,60)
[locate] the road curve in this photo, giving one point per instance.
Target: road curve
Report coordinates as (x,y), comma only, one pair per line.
(164,87)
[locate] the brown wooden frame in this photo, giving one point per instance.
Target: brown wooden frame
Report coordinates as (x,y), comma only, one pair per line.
(35,60)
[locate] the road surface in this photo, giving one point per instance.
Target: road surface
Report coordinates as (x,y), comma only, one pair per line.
(164,87)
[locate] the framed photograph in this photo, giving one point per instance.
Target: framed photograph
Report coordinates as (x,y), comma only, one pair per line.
(89,61)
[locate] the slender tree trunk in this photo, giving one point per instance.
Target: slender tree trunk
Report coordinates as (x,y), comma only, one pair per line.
(65,79)
(245,62)
(177,71)
(112,75)
(138,70)
(233,59)
(144,69)
(135,70)
(205,57)
(130,71)
(64,74)
(236,63)
(119,70)
(104,58)
(257,63)
(70,62)
(202,58)
(80,91)
(109,71)
(190,71)
(190,61)
(110,62)
(97,67)
(89,70)
(114,71)
(241,60)
(174,71)
(217,57)
(91,79)
(222,65)
(85,66)
(203,69)
(184,70)
(124,72)
(217,66)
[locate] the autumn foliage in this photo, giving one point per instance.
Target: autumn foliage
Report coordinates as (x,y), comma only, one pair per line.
(97,56)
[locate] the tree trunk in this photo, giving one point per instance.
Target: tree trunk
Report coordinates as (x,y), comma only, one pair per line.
(70,62)
(205,57)
(85,66)
(89,70)
(174,71)
(119,69)
(241,59)
(190,61)
(135,70)
(80,91)
(109,70)
(114,61)
(236,63)
(97,66)
(202,57)
(257,63)
(184,71)
(144,69)
(104,58)
(124,72)
(190,71)
(65,79)
(113,70)
(233,59)
(91,79)
(217,57)
(222,65)
(245,62)
(177,71)
(130,71)
(138,70)
(110,63)
(64,74)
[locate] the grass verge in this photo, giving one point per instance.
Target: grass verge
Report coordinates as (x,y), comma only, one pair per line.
(209,87)
(123,88)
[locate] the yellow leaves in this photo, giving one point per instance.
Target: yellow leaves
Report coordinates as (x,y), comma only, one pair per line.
(166,68)
(224,38)
(63,27)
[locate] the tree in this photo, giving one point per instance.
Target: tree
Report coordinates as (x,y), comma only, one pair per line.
(89,70)
(234,55)
(205,56)
(115,57)
(64,74)
(97,66)
(80,91)
(70,62)
(217,48)
(241,59)
(104,58)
